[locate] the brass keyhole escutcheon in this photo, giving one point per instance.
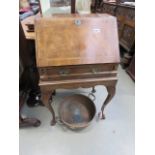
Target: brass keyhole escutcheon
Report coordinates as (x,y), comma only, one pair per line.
(95,70)
(78,22)
(64,72)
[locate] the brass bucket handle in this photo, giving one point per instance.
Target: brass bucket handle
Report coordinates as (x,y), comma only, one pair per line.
(90,95)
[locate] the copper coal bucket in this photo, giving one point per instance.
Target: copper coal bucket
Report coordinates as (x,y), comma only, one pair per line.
(77,111)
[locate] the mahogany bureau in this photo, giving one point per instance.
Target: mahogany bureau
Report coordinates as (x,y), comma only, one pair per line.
(75,51)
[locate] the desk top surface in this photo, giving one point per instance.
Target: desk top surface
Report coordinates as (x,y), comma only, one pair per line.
(76,40)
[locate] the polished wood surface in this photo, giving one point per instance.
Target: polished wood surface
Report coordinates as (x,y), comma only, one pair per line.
(81,75)
(126,21)
(77,72)
(60,41)
(125,15)
(76,51)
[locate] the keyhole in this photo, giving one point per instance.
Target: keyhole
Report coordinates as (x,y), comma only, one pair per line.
(78,22)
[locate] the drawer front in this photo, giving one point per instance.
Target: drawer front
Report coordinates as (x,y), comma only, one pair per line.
(77,72)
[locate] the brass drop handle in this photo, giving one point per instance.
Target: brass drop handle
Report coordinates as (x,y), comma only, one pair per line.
(63,72)
(94,70)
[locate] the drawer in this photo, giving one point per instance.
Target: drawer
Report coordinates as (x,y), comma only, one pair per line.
(77,72)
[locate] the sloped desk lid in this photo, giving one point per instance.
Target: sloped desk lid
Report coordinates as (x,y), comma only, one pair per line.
(76,40)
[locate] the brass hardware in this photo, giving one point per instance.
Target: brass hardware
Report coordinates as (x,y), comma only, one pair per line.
(43,71)
(64,72)
(94,70)
(77,22)
(93,90)
(92,95)
(73,108)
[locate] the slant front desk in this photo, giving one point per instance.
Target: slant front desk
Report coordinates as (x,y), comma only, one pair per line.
(75,51)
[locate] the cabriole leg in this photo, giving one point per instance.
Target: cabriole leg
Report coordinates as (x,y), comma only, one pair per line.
(47,99)
(111,93)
